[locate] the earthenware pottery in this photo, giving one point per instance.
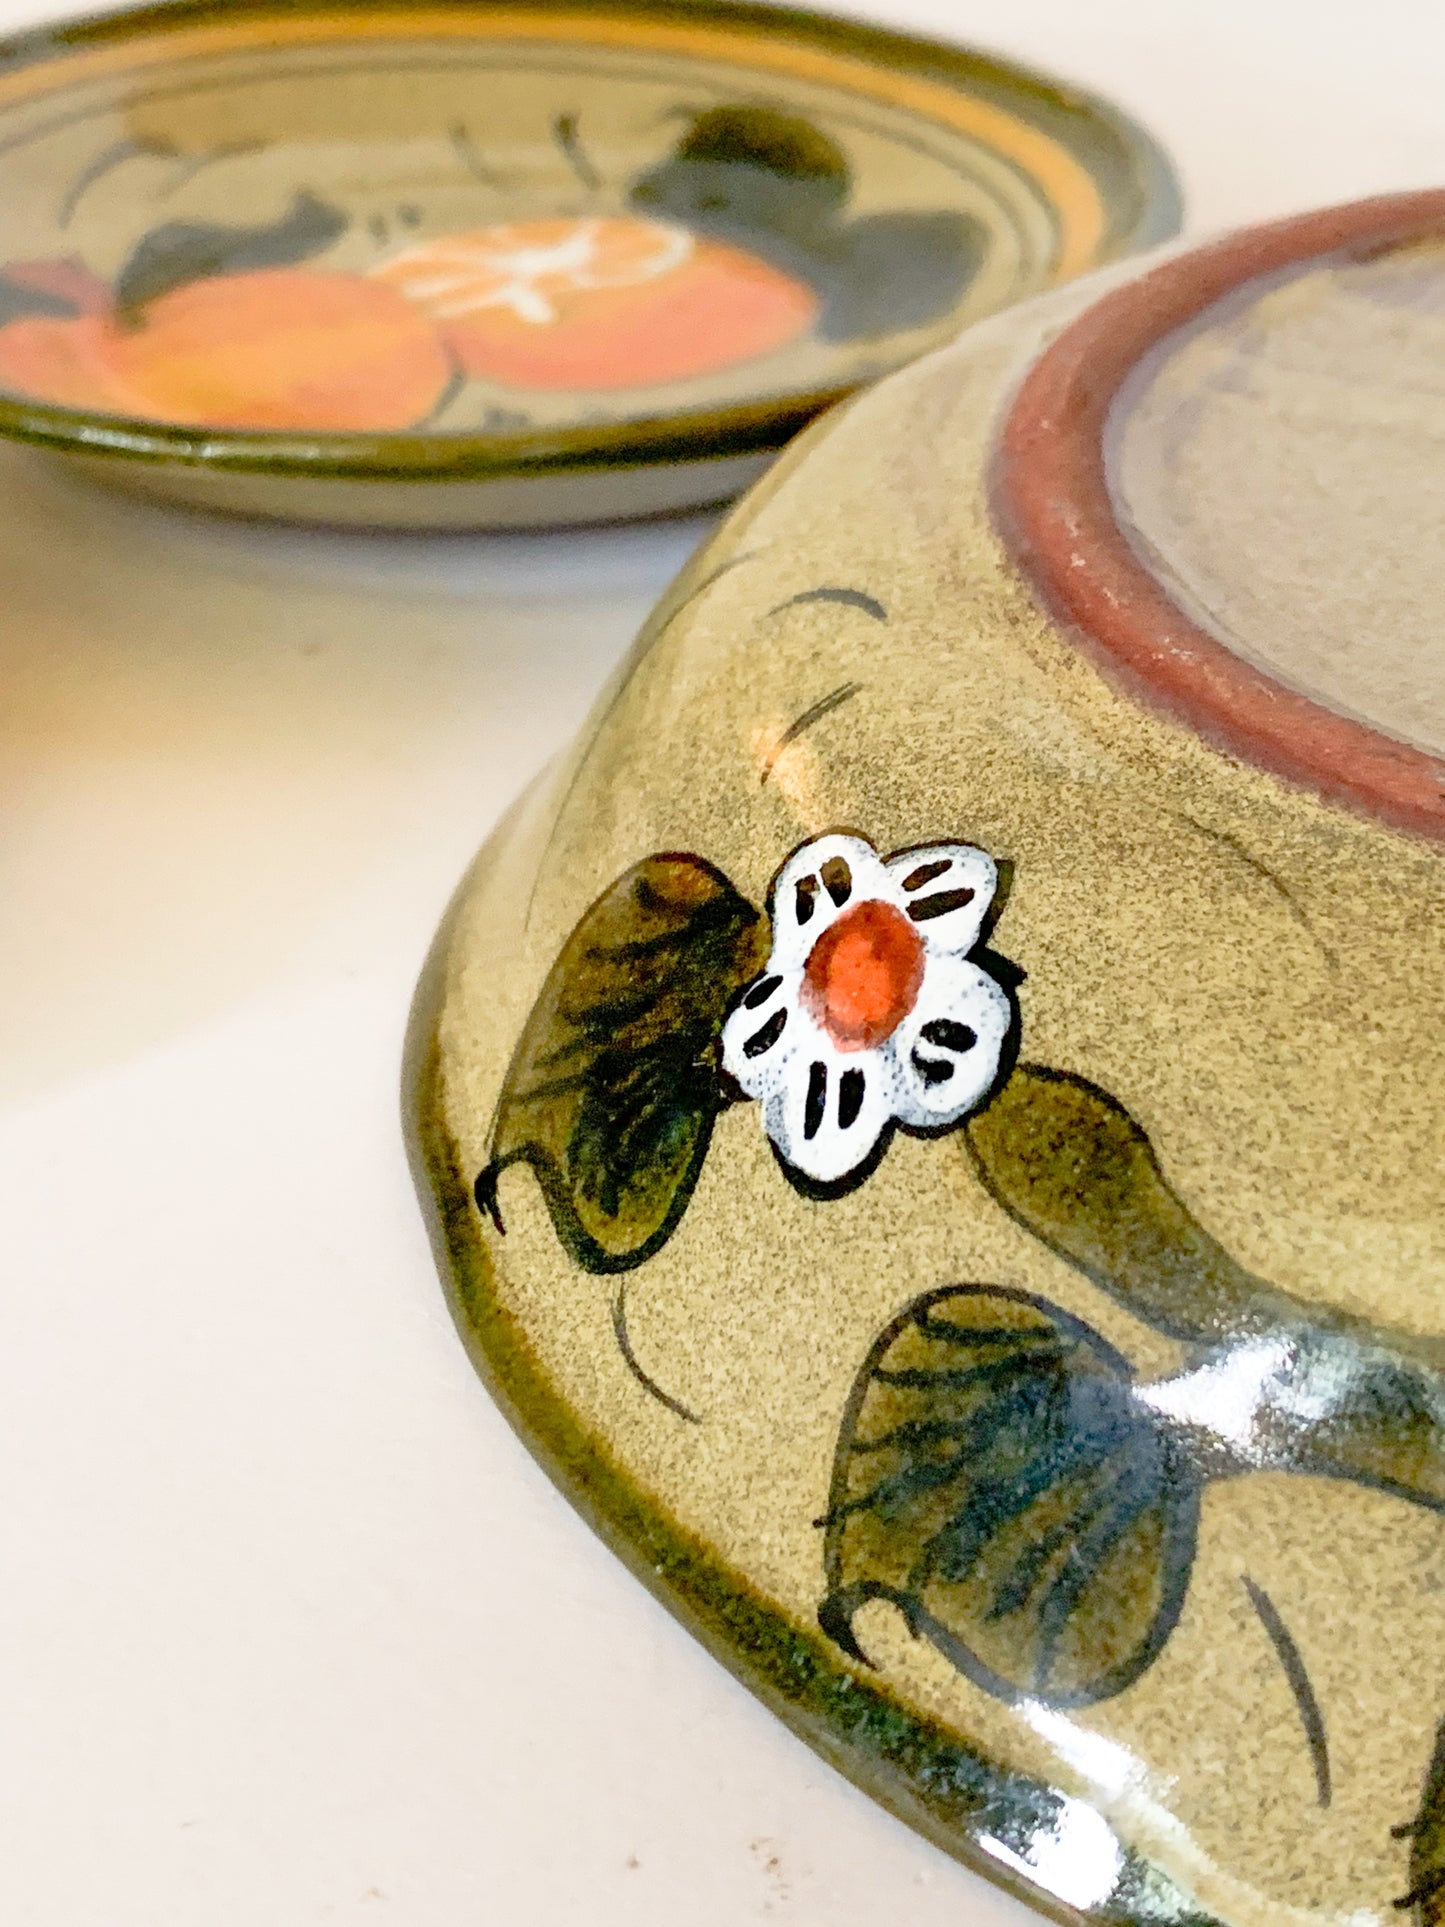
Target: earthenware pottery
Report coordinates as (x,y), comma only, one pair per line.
(935,1115)
(411,262)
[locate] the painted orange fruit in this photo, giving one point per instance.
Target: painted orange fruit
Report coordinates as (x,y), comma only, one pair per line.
(281,348)
(47,358)
(67,279)
(605,303)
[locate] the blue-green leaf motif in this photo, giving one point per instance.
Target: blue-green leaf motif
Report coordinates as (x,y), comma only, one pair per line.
(1000,1482)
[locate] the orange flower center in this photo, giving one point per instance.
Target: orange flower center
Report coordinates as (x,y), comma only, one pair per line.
(863,975)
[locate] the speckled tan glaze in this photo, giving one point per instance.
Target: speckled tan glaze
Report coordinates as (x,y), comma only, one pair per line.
(1252,972)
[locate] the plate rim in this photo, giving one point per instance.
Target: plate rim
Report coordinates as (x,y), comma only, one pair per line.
(420,456)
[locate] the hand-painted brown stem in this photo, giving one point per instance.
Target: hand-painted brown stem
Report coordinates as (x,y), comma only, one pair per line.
(1426,1834)
(1328,1393)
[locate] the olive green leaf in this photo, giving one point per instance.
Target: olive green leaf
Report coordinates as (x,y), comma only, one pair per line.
(778,185)
(1426,1834)
(182,251)
(1337,1395)
(613,1090)
(904,269)
(999,1481)
(1069,1164)
(746,172)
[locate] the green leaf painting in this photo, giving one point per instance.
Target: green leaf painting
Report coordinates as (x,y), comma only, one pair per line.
(1005,1486)
(781,187)
(183,251)
(1336,1395)
(1069,1164)
(999,1482)
(613,1090)
(1027,1504)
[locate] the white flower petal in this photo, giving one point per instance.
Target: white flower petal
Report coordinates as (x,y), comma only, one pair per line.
(825,1108)
(946,888)
(945,1054)
(815,886)
(761,1037)
(827,1113)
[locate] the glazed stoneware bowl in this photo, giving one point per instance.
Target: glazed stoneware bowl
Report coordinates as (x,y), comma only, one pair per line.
(464,262)
(934,1114)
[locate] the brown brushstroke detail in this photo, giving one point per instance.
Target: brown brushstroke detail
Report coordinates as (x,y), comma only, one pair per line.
(824,706)
(1052,506)
(465,149)
(568,138)
(630,1359)
(1426,1834)
(1296,1674)
(188,166)
(111,157)
(845,598)
(1225,841)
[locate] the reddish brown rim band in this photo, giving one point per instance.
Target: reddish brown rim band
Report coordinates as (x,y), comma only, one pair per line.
(1053,508)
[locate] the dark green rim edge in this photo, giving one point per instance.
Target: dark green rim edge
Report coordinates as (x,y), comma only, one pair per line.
(1137,185)
(950,1793)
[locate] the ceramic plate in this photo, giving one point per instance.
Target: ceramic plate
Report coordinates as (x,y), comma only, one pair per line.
(483,264)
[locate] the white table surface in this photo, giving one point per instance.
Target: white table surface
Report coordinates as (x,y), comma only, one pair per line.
(291,1628)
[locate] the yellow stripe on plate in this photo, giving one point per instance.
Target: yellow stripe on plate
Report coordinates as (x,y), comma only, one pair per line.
(1067,184)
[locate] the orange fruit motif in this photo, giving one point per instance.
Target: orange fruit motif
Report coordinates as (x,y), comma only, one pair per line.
(47,358)
(67,279)
(281,348)
(605,303)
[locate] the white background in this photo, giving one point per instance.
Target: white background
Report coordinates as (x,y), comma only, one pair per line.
(291,1629)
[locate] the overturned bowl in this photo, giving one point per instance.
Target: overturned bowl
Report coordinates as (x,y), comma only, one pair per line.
(934,1116)
(407,264)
